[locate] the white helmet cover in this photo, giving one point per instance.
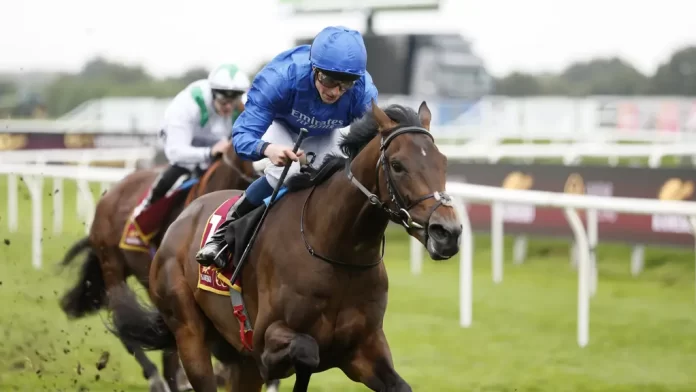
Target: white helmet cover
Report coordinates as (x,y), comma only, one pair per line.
(228,77)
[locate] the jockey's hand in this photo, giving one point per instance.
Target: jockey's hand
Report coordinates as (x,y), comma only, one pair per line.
(220,147)
(280,155)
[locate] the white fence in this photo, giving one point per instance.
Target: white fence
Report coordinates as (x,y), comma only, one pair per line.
(33,175)
(30,164)
(130,156)
(570,153)
(585,239)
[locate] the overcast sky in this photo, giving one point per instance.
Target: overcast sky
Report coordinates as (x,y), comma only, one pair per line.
(170,36)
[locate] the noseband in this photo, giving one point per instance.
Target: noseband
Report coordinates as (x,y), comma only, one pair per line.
(399,215)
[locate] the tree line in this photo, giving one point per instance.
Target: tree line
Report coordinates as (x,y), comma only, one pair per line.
(607,76)
(100,77)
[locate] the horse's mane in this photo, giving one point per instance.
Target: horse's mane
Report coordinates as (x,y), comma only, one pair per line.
(361,132)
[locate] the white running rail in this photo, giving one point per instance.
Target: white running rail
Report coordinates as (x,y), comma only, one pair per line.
(570,203)
(80,156)
(33,175)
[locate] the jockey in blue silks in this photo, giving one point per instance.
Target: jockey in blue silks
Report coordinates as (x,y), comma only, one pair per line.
(322,87)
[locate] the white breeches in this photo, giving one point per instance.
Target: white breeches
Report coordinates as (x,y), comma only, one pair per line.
(316,148)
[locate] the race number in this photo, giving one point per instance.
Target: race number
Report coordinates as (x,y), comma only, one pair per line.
(214,221)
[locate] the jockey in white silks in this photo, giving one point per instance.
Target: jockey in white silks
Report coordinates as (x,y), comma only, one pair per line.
(323,88)
(198,125)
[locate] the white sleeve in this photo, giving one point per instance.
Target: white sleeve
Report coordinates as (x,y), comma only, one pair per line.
(180,121)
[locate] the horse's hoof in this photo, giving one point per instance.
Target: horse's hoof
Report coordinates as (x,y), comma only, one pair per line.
(273,386)
(157,384)
(304,350)
(222,373)
(182,382)
(185,386)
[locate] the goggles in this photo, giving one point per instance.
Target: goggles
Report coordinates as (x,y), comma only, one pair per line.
(329,82)
(226,96)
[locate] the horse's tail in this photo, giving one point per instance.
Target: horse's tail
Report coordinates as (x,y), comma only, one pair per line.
(76,249)
(137,325)
(89,293)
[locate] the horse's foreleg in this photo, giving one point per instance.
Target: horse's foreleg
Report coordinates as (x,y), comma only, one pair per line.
(273,386)
(195,357)
(372,365)
(188,327)
(173,371)
(285,349)
(243,376)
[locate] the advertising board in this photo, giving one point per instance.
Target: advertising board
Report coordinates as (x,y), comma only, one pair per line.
(660,183)
(56,140)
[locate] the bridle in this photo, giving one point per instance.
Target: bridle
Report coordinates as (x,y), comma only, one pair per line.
(399,215)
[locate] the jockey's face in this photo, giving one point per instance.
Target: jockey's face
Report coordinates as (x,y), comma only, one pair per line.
(330,90)
(224,105)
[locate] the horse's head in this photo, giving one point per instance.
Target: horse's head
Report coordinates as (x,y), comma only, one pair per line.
(412,172)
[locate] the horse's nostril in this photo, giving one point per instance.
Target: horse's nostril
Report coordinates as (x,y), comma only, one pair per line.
(438,231)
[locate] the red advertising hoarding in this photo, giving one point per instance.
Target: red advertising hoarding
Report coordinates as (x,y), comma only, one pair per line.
(660,184)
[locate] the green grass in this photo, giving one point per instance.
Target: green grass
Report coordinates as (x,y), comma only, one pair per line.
(523,338)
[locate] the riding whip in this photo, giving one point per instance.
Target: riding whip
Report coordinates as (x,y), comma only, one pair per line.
(303,133)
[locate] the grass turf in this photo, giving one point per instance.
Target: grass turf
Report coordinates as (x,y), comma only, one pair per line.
(523,336)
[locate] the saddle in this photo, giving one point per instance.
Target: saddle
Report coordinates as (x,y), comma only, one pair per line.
(179,190)
(144,223)
(239,232)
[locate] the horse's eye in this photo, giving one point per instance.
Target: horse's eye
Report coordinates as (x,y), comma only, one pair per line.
(397,167)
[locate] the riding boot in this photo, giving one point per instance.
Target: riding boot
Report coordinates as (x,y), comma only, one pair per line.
(163,183)
(210,252)
(166,181)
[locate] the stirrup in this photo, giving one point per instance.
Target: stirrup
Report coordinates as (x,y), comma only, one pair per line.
(223,260)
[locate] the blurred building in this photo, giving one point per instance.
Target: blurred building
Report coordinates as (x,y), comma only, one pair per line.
(429,59)
(425,65)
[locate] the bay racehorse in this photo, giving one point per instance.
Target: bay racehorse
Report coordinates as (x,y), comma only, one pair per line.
(315,285)
(108,263)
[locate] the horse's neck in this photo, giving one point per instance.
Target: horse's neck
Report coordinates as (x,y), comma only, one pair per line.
(224,177)
(339,213)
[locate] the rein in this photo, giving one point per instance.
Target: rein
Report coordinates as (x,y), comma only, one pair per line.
(400,215)
(234,167)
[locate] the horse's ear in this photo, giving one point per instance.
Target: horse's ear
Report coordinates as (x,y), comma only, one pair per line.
(382,119)
(424,115)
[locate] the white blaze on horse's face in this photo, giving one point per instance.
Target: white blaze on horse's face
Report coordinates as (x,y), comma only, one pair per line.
(423,151)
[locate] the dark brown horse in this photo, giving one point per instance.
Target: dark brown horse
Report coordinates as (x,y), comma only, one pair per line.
(107,265)
(315,286)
